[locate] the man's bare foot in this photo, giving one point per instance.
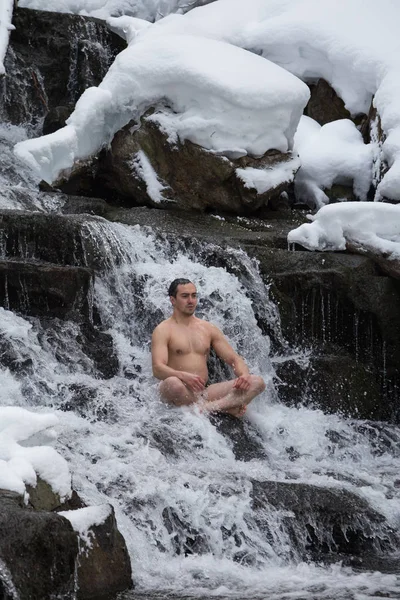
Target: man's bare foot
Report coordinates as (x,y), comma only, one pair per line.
(236,412)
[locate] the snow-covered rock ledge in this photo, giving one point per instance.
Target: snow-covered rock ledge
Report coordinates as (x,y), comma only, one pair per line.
(370,228)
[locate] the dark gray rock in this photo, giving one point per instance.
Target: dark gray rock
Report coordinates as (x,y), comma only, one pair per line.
(336,384)
(38,549)
(52,58)
(42,290)
(240,435)
(324,521)
(52,238)
(104,567)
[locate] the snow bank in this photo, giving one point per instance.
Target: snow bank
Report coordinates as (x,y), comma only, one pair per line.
(6,11)
(309,38)
(373,225)
(334,153)
(102,9)
(340,42)
(83,519)
(223,98)
(20,460)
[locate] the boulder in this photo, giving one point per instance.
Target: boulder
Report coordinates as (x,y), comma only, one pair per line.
(38,551)
(104,567)
(323,522)
(182,175)
(52,58)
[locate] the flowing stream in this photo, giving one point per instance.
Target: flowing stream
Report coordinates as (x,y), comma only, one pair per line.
(183,500)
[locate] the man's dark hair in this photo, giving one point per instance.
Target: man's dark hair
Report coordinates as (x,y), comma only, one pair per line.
(173,288)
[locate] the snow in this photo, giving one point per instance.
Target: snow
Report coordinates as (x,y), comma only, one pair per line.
(370,225)
(219,94)
(102,9)
(22,457)
(143,168)
(263,180)
(6,11)
(83,519)
(225,71)
(333,153)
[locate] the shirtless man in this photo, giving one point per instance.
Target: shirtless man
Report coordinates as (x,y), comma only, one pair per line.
(180,348)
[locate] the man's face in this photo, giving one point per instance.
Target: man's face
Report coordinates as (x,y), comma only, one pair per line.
(186,299)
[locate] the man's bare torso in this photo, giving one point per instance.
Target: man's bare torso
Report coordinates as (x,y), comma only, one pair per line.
(189,346)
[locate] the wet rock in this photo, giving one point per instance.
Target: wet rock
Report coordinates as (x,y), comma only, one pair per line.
(185,538)
(325,105)
(52,58)
(60,239)
(99,346)
(240,435)
(344,300)
(42,290)
(104,567)
(191,177)
(55,118)
(38,550)
(334,384)
(323,520)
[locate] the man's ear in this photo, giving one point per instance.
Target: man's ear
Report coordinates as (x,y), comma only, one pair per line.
(173,300)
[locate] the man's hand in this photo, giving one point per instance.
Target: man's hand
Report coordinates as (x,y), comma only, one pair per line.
(242,383)
(194,382)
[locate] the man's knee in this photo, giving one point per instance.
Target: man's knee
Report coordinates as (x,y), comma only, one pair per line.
(257,384)
(174,391)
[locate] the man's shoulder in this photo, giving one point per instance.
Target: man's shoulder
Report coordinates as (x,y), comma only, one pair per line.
(210,327)
(163,326)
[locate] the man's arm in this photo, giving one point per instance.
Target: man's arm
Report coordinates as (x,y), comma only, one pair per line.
(225,351)
(161,370)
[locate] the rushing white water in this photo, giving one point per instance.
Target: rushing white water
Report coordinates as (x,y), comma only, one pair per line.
(170,474)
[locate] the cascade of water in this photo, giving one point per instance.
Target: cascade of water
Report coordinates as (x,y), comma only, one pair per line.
(183,501)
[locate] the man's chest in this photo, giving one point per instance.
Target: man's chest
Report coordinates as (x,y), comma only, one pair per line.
(196,341)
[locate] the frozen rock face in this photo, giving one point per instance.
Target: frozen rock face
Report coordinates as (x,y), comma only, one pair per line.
(143,168)
(52,58)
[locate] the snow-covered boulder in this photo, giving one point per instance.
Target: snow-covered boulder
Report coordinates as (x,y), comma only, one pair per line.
(143,168)
(225,99)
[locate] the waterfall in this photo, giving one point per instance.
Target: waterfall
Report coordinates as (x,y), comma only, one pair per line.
(184,502)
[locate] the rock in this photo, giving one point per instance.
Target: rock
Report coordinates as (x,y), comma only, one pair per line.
(42,290)
(340,299)
(37,550)
(324,521)
(104,567)
(69,240)
(241,436)
(325,105)
(55,118)
(191,178)
(372,132)
(336,384)
(52,58)
(42,496)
